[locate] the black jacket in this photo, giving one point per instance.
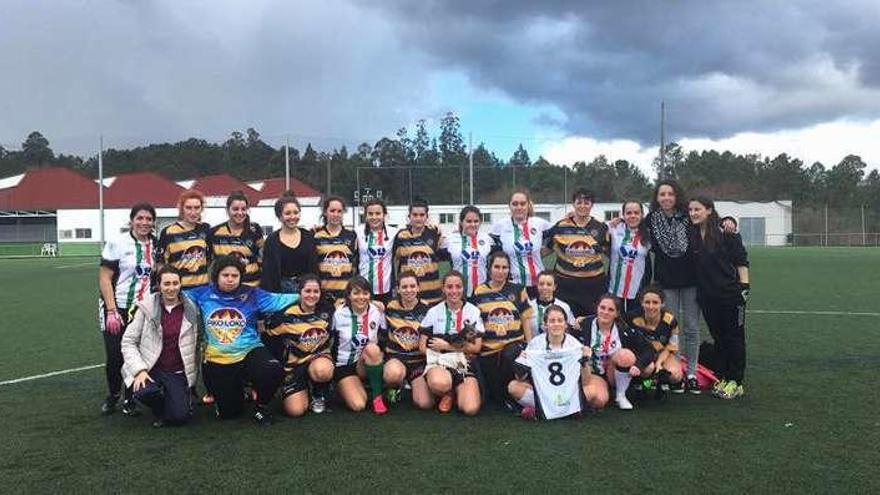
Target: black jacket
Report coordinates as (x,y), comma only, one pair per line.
(270,279)
(717,278)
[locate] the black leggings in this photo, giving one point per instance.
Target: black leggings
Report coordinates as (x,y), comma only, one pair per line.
(496,371)
(226,381)
(726,322)
(114,361)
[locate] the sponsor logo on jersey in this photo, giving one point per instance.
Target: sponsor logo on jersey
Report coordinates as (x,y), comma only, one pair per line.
(407,337)
(376,252)
(498,320)
(334,262)
(523,247)
(193,256)
(578,251)
(419,263)
(628,252)
(312,338)
(226,324)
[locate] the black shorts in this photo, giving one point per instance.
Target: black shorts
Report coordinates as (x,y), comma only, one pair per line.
(344,371)
(581,294)
(414,368)
(295,380)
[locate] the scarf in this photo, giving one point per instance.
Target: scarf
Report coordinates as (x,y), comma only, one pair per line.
(670,233)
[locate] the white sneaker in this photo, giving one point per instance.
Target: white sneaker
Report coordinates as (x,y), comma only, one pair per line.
(624,403)
(317,405)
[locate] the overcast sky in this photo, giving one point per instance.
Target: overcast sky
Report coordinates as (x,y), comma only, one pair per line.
(568,79)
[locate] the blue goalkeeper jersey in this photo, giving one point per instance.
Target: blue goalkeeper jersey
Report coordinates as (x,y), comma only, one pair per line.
(230,319)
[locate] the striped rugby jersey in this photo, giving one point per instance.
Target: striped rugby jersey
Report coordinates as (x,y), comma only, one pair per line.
(352,332)
(300,335)
(523,244)
(401,337)
(374,256)
(132,262)
(246,246)
(469,255)
(418,253)
(186,250)
(578,249)
(502,312)
(663,336)
(337,259)
(628,261)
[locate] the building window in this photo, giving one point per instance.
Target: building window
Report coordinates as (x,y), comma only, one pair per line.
(83,233)
(65,234)
(267,229)
(611,214)
(447,218)
(543,214)
(486,217)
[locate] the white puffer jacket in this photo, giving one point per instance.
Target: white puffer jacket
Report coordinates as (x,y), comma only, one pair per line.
(142,341)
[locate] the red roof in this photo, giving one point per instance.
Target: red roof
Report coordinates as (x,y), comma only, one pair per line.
(136,187)
(272,189)
(50,188)
(221,185)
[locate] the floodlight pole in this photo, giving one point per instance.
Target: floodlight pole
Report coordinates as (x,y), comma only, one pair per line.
(471,168)
(101,187)
(662,138)
(864,232)
(287,164)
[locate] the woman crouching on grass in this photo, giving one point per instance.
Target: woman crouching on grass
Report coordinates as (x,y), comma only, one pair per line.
(555,338)
(451,338)
(159,349)
(300,338)
(659,328)
(234,353)
(405,363)
(356,327)
(612,364)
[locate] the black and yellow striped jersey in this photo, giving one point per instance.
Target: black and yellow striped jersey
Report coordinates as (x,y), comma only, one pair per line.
(578,249)
(663,336)
(420,253)
(503,312)
(337,257)
(187,250)
(401,338)
(247,246)
(297,335)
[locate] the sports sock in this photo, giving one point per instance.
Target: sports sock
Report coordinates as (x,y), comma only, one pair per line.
(528,399)
(374,377)
(320,389)
(621,381)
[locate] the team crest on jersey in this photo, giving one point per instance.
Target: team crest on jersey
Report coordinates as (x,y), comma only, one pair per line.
(577,252)
(594,233)
(407,337)
(511,297)
(226,324)
(334,262)
(533,231)
(498,321)
(419,263)
(481,242)
(312,338)
(430,243)
(372,325)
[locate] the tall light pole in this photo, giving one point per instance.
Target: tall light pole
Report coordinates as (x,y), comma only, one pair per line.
(471,167)
(287,164)
(101,187)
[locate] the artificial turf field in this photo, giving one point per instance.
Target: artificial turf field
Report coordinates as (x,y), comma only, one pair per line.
(808,422)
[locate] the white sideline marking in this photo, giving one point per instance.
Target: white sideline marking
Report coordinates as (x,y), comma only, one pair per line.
(47,375)
(822,313)
(75,265)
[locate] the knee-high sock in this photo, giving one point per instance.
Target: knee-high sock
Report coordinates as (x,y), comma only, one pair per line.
(621,381)
(374,377)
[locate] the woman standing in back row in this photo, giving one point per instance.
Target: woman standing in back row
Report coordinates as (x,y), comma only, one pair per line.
(674,269)
(240,237)
(289,252)
(521,237)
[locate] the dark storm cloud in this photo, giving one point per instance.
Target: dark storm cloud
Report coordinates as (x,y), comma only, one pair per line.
(142,71)
(722,67)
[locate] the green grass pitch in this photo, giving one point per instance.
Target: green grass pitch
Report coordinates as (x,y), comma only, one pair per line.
(808,422)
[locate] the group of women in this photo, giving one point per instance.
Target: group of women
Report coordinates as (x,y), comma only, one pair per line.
(367,314)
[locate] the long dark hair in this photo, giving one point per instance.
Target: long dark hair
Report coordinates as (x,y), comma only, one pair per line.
(711,226)
(326,204)
(239,196)
(643,228)
(680,204)
(367,205)
(621,324)
(464,213)
(287,197)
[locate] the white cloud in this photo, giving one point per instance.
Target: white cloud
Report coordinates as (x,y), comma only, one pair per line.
(827,143)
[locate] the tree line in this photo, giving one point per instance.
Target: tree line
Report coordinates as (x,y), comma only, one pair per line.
(417,162)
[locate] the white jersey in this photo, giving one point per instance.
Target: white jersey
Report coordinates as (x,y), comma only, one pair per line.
(374,250)
(523,244)
(353,332)
(628,258)
(132,262)
(441,321)
(556,375)
(468,254)
(538,314)
(603,346)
